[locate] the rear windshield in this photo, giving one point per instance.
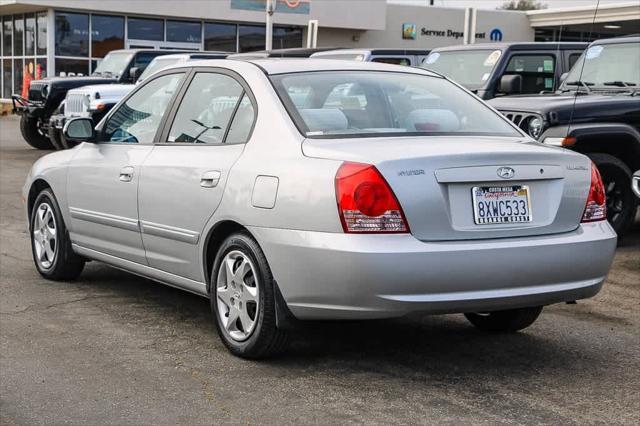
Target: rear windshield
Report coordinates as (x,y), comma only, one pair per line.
(374,103)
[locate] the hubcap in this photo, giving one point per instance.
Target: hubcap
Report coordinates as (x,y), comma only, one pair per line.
(45,239)
(237,295)
(615,200)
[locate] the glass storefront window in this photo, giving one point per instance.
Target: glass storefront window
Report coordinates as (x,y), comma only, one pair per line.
(287,37)
(251,38)
(7,38)
(18,35)
(145,29)
(72,34)
(183,31)
(41,68)
(107,34)
(18,66)
(221,37)
(41,42)
(72,66)
(30,35)
(6,73)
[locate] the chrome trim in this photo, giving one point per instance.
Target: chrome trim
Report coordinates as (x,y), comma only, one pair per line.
(154,274)
(105,219)
(169,232)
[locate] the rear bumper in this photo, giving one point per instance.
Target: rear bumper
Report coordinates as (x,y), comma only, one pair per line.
(339,276)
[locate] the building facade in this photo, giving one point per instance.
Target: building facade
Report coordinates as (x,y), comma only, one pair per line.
(61,37)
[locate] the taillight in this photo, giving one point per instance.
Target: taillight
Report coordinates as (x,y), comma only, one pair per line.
(596,208)
(366,202)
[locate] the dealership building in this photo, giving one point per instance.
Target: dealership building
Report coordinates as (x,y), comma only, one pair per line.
(61,37)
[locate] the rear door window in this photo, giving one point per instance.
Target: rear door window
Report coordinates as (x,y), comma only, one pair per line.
(537,71)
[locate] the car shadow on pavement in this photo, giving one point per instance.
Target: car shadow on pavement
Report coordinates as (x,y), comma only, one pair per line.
(411,347)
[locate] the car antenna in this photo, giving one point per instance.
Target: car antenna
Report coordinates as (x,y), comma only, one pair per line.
(575,96)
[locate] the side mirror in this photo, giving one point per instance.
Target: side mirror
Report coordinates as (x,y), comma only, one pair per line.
(510,84)
(79,130)
(134,73)
(563,77)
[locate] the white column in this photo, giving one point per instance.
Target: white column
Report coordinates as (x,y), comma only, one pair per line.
(470,17)
(51,42)
(269,9)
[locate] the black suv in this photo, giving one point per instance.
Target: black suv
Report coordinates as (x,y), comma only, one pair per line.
(595,111)
(498,69)
(119,66)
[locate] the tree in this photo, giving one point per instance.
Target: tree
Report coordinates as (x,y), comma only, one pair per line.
(522,5)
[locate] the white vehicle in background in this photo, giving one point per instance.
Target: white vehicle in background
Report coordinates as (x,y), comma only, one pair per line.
(96,101)
(409,57)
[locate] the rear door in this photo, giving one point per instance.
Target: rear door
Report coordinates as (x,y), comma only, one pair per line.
(103,177)
(183,179)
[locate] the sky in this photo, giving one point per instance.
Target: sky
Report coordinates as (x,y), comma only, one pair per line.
(492,4)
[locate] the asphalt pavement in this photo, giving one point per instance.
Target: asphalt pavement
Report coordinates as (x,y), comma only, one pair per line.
(113,348)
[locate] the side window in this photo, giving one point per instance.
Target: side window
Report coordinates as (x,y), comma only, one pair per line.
(242,122)
(573,58)
(206,109)
(394,61)
(537,71)
(137,120)
(143,59)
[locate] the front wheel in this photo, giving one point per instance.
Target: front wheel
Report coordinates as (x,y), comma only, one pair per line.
(505,321)
(32,133)
(243,299)
(52,253)
(621,201)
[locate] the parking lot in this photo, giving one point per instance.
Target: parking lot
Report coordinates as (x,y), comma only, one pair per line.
(113,348)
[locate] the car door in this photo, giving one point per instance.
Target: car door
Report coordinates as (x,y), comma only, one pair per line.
(538,70)
(184,177)
(102,180)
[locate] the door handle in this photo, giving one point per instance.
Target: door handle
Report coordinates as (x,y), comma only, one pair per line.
(126,174)
(210,179)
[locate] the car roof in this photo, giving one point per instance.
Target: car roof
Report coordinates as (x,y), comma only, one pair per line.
(195,55)
(541,45)
(634,38)
(273,66)
(410,51)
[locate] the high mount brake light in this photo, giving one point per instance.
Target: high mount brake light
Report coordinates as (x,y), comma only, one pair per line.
(596,207)
(366,203)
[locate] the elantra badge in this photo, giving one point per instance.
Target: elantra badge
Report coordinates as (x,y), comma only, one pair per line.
(506,172)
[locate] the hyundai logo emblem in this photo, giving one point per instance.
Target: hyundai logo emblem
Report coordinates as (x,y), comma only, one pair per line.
(506,172)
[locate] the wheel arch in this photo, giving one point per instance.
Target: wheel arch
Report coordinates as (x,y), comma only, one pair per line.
(621,142)
(214,239)
(36,187)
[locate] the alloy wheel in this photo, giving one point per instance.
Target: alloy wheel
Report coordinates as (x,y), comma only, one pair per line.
(237,295)
(45,238)
(615,200)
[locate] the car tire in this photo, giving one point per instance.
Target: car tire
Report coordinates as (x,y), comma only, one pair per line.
(505,321)
(621,201)
(54,137)
(50,244)
(32,135)
(242,287)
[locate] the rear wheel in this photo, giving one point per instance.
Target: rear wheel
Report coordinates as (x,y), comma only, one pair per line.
(50,244)
(32,134)
(243,299)
(505,321)
(621,201)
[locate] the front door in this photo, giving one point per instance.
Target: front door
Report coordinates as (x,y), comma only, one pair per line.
(183,179)
(103,177)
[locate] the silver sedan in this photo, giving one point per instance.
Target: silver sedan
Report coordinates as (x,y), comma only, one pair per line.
(289,190)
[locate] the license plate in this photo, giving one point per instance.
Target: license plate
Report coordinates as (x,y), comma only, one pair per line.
(501,204)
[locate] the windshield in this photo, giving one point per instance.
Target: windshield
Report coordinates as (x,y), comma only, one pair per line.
(114,64)
(471,68)
(606,66)
(373,103)
(156,65)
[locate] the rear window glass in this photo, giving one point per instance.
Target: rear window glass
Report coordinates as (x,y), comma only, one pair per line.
(371,103)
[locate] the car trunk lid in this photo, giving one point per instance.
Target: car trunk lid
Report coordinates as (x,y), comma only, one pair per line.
(434,179)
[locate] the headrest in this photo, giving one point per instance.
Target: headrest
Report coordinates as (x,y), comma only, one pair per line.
(432,120)
(324,119)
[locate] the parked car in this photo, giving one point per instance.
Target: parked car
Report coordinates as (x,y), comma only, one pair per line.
(95,101)
(498,69)
(45,96)
(596,111)
(336,205)
(293,52)
(409,57)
